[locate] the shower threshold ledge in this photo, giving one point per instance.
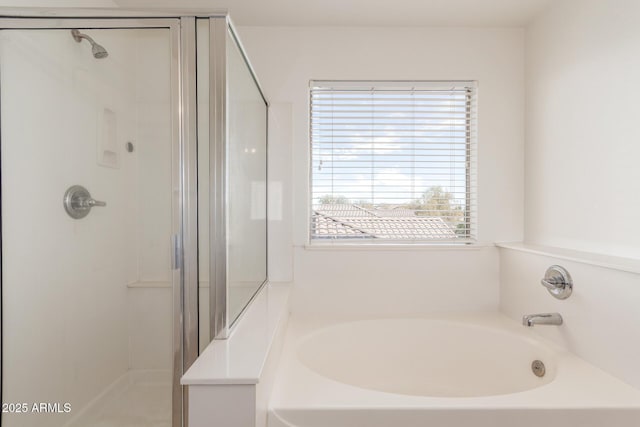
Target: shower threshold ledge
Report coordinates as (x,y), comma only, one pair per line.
(319,388)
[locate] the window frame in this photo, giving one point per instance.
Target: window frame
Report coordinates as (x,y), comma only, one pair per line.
(471,185)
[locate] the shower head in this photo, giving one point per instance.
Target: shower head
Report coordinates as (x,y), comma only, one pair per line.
(98,51)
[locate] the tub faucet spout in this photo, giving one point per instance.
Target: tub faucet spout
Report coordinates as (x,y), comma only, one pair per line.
(542,319)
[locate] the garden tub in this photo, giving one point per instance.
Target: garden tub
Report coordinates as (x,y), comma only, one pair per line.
(450,371)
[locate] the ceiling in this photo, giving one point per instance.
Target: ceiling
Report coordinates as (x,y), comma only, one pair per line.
(499,13)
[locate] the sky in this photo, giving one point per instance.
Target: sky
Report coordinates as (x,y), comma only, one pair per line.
(388,147)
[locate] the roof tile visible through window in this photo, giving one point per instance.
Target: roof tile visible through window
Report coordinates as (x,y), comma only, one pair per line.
(357,222)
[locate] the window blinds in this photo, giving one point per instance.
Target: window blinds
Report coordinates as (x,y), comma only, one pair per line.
(393,161)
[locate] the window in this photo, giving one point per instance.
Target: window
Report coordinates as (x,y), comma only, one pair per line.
(393,162)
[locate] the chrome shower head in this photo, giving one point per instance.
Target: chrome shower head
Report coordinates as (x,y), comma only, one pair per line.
(98,51)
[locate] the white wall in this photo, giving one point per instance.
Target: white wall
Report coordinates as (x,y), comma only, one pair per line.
(601,317)
(582,178)
(286,59)
(582,151)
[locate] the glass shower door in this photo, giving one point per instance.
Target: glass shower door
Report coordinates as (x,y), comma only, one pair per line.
(247,180)
(232,190)
(89,199)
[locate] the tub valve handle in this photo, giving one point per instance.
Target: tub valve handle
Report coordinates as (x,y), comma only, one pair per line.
(558,282)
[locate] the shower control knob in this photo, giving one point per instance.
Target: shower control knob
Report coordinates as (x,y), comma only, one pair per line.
(78,202)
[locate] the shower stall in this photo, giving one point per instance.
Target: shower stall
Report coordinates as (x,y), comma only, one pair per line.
(133,152)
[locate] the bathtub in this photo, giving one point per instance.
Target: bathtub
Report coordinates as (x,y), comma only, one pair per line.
(471,370)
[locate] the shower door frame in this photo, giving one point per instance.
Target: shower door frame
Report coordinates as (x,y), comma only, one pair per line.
(184,262)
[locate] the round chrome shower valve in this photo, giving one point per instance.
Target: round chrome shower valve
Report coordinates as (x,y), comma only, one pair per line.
(78,202)
(558,282)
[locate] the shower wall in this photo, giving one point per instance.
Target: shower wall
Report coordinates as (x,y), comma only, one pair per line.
(83,299)
(149,293)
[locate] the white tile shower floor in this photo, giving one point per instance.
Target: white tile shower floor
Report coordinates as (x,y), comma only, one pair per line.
(138,399)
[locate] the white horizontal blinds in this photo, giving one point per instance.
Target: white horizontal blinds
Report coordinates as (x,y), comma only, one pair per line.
(393,161)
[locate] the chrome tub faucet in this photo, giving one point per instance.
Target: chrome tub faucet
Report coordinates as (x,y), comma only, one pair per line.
(542,319)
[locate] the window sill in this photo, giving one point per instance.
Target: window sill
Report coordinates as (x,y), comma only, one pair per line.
(391,247)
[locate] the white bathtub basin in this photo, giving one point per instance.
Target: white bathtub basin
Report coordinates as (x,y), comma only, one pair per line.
(458,371)
(426,357)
